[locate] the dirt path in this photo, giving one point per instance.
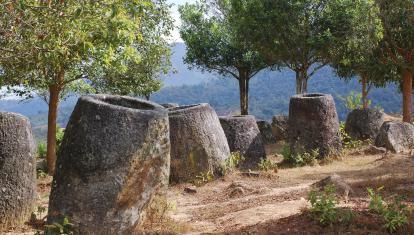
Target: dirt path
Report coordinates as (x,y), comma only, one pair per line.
(236,201)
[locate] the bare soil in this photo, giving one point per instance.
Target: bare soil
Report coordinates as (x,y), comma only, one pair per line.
(275,202)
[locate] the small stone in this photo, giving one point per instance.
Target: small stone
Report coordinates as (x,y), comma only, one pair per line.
(340,185)
(190,189)
(236,192)
(373,150)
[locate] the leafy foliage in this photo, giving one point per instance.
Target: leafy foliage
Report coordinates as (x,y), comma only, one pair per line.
(347,141)
(233,161)
(324,207)
(62,228)
(267,165)
(395,214)
(299,160)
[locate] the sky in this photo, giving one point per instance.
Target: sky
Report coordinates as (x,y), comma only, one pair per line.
(176,16)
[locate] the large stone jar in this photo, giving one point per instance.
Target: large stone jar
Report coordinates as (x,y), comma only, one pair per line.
(17,170)
(364,124)
(113,162)
(314,124)
(198,143)
(243,136)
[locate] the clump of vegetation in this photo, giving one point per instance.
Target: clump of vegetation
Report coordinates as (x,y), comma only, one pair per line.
(63,228)
(41,150)
(324,207)
(395,214)
(203,178)
(267,165)
(354,101)
(233,161)
(299,160)
(157,219)
(347,141)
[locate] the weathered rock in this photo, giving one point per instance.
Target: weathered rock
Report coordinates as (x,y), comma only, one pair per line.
(340,185)
(198,143)
(314,124)
(266,132)
(113,162)
(374,150)
(190,189)
(396,136)
(170,105)
(17,170)
(364,124)
(280,124)
(244,137)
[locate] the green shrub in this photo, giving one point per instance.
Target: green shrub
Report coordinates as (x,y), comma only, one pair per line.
(59,136)
(324,207)
(203,178)
(62,228)
(267,165)
(347,141)
(395,214)
(354,101)
(41,150)
(299,160)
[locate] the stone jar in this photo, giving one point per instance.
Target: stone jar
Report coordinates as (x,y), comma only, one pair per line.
(17,170)
(113,163)
(243,136)
(364,124)
(198,143)
(314,124)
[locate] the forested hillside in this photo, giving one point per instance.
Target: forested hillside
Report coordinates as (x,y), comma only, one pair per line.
(270,92)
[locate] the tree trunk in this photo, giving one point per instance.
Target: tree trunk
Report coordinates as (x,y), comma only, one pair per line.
(407,95)
(364,92)
(302,81)
(54,91)
(298,83)
(244,93)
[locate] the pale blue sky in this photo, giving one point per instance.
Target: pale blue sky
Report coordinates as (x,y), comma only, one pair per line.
(176,16)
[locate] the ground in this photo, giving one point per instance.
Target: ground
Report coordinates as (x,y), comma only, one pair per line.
(275,202)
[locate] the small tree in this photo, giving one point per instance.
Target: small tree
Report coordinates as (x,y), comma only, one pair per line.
(397,17)
(212,45)
(49,45)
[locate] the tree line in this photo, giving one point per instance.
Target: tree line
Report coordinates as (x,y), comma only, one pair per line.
(370,39)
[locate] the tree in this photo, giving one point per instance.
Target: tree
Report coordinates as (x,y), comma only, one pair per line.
(212,45)
(291,32)
(371,70)
(397,17)
(49,45)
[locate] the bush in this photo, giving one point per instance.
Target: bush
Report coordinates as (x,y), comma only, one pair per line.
(324,207)
(395,214)
(41,150)
(347,141)
(267,165)
(299,160)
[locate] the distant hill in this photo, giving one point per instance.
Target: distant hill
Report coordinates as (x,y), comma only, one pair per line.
(269,93)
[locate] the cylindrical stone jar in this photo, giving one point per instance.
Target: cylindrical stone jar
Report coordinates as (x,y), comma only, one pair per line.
(243,136)
(17,170)
(113,162)
(314,124)
(198,143)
